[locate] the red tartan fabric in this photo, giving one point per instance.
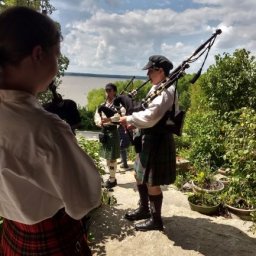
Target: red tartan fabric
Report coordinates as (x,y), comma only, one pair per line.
(56,236)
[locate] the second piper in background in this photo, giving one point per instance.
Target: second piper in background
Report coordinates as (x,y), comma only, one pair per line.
(110,145)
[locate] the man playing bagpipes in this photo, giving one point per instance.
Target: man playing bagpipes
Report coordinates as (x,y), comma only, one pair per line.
(155,164)
(109,136)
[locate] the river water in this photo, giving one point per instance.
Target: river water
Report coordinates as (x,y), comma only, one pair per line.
(76,87)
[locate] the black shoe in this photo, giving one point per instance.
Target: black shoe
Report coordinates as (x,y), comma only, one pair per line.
(138,214)
(124,166)
(110,184)
(149,224)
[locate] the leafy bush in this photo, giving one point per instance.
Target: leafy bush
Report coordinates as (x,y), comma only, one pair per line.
(206,138)
(230,83)
(91,147)
(240,143)
(240,147)
(87,120)
(204,199)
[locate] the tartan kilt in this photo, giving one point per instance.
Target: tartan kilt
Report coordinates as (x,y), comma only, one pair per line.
(57,236)
(158,159)
(110,149)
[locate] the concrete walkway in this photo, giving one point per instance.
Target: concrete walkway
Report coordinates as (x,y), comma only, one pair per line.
(186,233)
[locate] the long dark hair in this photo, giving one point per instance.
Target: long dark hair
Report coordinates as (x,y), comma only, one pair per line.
(21,29)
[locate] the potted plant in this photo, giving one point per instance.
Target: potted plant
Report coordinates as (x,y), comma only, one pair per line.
(240,198)
(204,203)
(205,181)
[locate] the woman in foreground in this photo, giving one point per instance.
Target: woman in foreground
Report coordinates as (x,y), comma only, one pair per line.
(47,183)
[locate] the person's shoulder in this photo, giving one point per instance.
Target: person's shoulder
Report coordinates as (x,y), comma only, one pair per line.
(51,120)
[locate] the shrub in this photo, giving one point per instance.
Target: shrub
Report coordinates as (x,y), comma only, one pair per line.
(240,143)
(91,147)
(206,137)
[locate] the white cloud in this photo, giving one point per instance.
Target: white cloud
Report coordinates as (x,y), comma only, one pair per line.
(120,43)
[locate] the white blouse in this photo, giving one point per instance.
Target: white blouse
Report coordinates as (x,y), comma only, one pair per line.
(42,168)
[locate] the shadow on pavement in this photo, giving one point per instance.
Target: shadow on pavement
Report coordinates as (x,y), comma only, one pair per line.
(207,237)
(108,223)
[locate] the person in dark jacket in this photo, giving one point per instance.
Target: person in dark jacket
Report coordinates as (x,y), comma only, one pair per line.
(66,109)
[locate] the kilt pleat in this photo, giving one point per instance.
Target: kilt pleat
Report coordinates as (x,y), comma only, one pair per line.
(110,150)
(158,157)
(56,236)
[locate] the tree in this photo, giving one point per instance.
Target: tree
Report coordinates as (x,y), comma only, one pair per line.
(39,5)
(230,83)
(184,91)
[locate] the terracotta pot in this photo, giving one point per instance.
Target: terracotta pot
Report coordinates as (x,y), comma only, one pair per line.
(241,213)
(200,190)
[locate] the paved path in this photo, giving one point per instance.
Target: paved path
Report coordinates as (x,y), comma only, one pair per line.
(186,233)
(88,134)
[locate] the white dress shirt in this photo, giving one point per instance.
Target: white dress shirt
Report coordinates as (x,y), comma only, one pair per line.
(42,168)
(156,109)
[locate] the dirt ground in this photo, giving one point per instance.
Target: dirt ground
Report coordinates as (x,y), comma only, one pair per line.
(186,233)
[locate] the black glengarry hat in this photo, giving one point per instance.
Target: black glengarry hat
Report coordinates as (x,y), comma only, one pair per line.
(159,61)
(111,86)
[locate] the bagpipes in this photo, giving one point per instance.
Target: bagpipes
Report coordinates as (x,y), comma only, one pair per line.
(175,118)
(109,112)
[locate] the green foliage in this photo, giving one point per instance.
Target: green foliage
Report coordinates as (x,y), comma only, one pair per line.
(206,138)
(107,198)
(240,193)
(253,226)
(140,94)
(184,92)
(240,153)
(204,199)
(204,178)
(182,144)
(182,178)
(198,99)
(240,143)
(39,5)
(87,122)
(91,147)
(95,97)
(131,154)
(230,83)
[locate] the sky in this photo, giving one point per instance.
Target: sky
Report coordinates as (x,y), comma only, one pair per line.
(118,36)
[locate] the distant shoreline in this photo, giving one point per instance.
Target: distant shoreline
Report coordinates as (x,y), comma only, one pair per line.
(103,75)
